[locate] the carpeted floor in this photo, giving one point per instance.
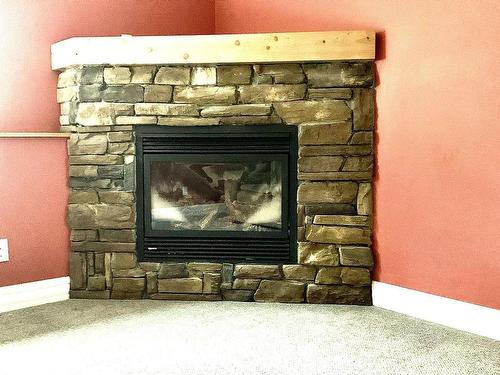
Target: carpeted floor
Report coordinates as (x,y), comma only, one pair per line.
(170,338)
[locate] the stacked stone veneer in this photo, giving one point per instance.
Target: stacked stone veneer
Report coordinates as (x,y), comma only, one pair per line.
(332,103)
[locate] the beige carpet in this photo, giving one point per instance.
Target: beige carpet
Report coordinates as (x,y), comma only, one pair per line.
(170,338)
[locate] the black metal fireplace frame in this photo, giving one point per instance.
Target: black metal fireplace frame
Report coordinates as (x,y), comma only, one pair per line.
(271,142)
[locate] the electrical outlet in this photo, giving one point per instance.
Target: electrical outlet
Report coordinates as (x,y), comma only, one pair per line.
(4,250)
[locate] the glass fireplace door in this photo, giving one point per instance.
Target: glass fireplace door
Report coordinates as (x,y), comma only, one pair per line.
(216,194)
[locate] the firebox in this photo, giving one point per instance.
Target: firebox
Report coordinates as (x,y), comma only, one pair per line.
(224,193)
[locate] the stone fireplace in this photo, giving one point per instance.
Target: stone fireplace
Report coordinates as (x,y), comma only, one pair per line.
(115,111)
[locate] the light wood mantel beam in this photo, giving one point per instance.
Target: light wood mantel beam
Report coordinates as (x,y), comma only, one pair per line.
(212,49)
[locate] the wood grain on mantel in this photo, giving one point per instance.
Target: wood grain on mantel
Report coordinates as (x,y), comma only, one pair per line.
(212,49)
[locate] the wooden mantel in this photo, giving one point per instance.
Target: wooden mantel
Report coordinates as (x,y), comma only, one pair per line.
(211,49)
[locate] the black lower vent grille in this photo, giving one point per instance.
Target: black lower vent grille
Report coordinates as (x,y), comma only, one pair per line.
(234,250)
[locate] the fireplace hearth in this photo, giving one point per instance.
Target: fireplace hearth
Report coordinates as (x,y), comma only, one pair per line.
(223,194)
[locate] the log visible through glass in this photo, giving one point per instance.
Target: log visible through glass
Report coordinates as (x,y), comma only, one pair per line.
(216,196)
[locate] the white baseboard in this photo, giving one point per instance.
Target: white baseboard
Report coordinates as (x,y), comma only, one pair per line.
(465,316)
(32,294)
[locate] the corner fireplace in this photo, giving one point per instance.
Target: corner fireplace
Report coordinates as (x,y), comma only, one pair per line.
(223,194)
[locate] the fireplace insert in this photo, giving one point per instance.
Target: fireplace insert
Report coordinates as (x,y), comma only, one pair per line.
(217,193)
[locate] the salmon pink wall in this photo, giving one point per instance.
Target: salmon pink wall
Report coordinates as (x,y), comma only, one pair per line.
(437,201)
(33,182)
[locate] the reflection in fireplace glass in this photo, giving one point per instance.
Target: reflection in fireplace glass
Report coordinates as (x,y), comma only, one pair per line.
(228,196)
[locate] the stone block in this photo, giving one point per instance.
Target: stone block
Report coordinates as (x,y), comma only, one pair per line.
(329,209)
(150,266)
(188,121)
(318,150)
(83,235)
(320,163)
(92,75)
(89,294)
(358,163)
(355,276)
(158,93)
(246,284)
(347,220)
(96,283)
(99,263)
(303,111)
(339,74)
(173,270)
(128,285)
(151,282)
(329,275)
(227,274)
(271,93)
(90,264)
(83,196)
(67,94)
(358,256)
(280,291)
(362,138)
(282,73)
(69,77)
(171,75)
(118,294)
(363,109)
(95,114)
(329,93)
(338,235)
(115,216)
(327,192)
(120,136)
(335,176)
(120,148)
(90,93)
(203,75)
(82,216)
(324,134)
(211,283)
(234,74)
(123,94)
(237,295)
(166,109)
(136,120)
(339,294)
(237,110)
(77,270)
(185,297)
(102,247)
(142,74)
(82,171)
(110,171)
(76,182)
(117,75)
(120,261)
(250,120)
(117,235)
(205,94)
(132,272)
(364,199)
(317,254)
(108,271)
(87,144)
(257,271)
(184,285)
(196,269)
(299,272)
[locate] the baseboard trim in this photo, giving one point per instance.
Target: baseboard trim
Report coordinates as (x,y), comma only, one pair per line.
(20,296)
(465,316)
